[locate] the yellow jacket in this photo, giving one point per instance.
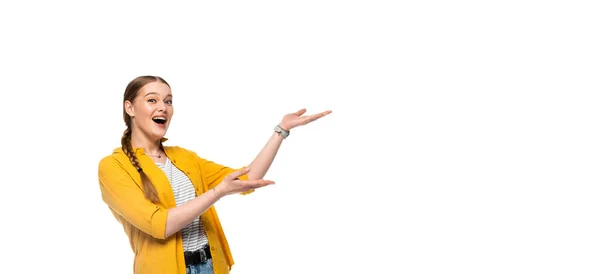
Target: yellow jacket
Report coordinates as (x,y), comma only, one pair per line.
(145,222)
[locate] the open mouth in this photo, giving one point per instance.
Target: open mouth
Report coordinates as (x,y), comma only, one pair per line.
(159,120)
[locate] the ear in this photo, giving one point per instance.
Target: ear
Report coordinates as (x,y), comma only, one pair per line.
(129,108)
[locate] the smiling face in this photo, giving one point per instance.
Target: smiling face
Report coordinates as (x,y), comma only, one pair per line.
(150,109)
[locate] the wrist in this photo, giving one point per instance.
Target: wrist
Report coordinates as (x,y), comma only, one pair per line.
(218,192)
(281,131)
(284,126)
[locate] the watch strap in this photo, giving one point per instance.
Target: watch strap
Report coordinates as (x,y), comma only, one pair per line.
(284,133)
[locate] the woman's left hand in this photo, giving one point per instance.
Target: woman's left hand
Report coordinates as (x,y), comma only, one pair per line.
(295,119)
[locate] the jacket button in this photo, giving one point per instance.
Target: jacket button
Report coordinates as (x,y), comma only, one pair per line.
(212,248)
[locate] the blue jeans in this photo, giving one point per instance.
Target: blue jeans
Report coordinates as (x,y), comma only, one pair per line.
(205,268)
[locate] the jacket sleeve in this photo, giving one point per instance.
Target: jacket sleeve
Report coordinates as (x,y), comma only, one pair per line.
(215,173)
(126,198)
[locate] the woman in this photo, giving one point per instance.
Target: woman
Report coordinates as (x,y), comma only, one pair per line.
(163,195)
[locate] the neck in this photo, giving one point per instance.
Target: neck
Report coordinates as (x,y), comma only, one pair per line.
(150,146)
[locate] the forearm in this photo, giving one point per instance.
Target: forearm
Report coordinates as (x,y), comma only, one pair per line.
(264,159)
(180,216)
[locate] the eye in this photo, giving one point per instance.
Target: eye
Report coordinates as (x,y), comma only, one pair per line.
(169,102)
(152,100)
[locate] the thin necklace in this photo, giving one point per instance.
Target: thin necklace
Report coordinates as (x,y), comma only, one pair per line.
(157,156)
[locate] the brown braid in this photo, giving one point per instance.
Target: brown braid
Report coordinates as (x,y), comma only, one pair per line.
(149,189)
(130,94)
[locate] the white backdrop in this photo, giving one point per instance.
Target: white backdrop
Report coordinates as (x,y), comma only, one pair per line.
(463,139)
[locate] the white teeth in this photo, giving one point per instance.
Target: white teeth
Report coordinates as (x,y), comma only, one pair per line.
(159,118)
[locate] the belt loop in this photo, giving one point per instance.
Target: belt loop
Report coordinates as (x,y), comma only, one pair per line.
(202,255)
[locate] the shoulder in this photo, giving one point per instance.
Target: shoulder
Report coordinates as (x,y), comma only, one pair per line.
(115,159)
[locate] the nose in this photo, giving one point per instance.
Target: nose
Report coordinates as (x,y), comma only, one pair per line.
(162,106)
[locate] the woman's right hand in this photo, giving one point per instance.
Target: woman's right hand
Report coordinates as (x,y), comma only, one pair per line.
(232,185)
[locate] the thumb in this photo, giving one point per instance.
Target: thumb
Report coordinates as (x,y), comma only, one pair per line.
(300,112)
(234,175)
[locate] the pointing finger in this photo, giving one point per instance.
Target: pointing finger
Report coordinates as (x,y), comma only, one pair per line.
(314,117)
(258,183)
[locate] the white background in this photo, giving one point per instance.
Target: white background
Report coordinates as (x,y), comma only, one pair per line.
(464,136)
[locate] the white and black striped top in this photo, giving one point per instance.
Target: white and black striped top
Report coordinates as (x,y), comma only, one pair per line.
(194,236)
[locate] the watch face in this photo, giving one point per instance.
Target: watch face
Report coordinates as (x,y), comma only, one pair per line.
(281,131)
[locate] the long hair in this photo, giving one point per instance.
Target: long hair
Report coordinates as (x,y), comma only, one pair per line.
(131,92)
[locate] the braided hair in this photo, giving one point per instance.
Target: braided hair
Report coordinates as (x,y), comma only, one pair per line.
(131,93)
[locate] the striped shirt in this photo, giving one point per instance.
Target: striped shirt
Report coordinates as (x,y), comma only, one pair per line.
(194,236)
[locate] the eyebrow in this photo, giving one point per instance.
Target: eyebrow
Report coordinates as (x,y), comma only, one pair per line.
(156,93)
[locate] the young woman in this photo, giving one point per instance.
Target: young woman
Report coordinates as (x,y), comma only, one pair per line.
(163,195)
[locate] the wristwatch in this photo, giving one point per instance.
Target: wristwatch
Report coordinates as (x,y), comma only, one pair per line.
(282,132)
